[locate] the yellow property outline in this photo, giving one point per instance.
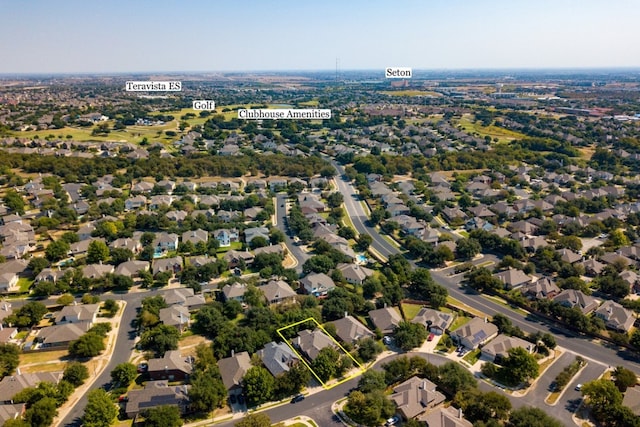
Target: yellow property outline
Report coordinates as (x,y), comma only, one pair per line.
(324,385)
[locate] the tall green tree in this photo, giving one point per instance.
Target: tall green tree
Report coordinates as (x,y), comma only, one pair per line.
(100,410)
(88,345)
(75,373)
(519,366)
(160,339)
(162,416)
(258,385)
(528,416)
(624,378)
(9,358)
(259,419)
(124,374)
(42,412)
(409,335)
(98,251)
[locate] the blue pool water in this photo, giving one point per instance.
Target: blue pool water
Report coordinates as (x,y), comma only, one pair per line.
(361,258)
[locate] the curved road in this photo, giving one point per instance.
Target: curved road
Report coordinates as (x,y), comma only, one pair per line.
(578,344)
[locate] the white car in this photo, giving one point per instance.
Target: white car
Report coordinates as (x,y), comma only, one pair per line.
(392,421)
(579,387)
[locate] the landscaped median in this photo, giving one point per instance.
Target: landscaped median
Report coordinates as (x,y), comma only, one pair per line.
(564,378)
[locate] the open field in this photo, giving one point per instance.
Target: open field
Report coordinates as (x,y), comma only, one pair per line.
(42,357)
(503,135)
(411,310)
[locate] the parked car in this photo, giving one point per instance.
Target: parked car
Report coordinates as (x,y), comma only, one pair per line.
(431,337)
(579,387)
(392,421)
(142,368)
(241,399)
(232,399)
(297,398)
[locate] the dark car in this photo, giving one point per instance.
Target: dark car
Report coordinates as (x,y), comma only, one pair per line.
(232,398)
(241,399)
(297,398)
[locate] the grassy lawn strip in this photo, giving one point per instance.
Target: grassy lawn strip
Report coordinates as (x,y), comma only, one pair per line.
(410,310)
(505,304)
(473,356)
(459,321)
(42,357)
(457,304)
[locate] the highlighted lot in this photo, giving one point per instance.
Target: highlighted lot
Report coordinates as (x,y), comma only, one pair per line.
(315,324)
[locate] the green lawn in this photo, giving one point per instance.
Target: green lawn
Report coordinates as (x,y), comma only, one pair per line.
(24,284)
(459,321)
(473,356)
(411,311)
(503,135)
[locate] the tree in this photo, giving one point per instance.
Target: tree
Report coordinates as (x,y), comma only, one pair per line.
(28,315)
(255,420)
(528,416)
(88,345)
(37,264)
(162,416)
(14,201)
(209,321)
(368,349)
(57,250)
(66,299)
(258,385)
(124,374)
(635,339)
(100,410)
(325,364)
(453,377)
(364,241)
(518,366)
(409,335)
(478,406)
(75,373)
(292,381)
(111,306)
(98,251)
(160,339)
(602,395)
(9,358)
(467,248)
(369,408)
(42,412)
(207,390)
(624,378)
(372,380)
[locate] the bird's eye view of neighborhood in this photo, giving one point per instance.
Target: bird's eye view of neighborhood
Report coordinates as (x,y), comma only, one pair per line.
(320,214)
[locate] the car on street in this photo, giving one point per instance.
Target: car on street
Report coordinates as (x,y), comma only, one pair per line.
(579,387)
(297,398)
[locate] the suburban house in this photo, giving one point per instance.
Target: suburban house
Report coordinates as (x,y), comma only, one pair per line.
(133,245)
(277,357)
(183,296)
(13,384)
(175,315)
(7,334)
(9,283)
(575,298)
(96,271)
(234,291)
(232,370)
(61,335)
(513,278)
(234,258)
(225,236)
(616,317)
(132,268)
(415,396)
(277,291)
(135,202)
(157,393)
(11,412)
(317,284)
(349,330)
(171,367)
(446,417)
(386,319)
(631,399)
(49,275)
(165,242)
(435,321)
(195,236)
(499,347)
(474,333)
(252,233)
(354,273)
(78,314)
(172,265)
(309,343)
(543,288)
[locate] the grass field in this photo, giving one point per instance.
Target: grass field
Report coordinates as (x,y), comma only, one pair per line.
(459,321)
(503,135)
(411,310)
(24,283)
(473,356)
(42,357)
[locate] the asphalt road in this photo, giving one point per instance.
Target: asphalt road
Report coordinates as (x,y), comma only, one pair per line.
(578,344)
(281,216)
(123,348)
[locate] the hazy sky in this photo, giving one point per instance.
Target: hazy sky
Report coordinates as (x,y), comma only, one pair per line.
(41,36)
